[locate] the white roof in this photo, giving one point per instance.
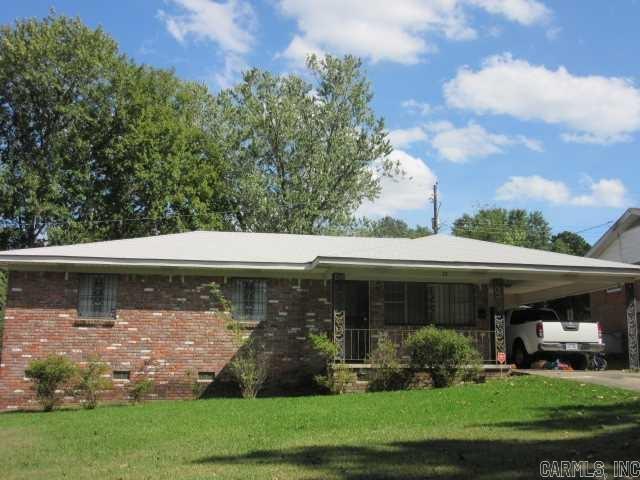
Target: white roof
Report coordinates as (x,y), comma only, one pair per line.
(304,252)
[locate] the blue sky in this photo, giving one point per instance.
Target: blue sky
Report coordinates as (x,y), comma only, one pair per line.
(513,103)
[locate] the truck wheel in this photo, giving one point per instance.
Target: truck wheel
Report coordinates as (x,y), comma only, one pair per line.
(579,362)
(520,355)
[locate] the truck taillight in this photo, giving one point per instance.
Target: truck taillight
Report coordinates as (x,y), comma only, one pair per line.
(599,330)
(539,330)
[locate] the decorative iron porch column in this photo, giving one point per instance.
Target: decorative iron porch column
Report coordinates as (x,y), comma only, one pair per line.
(497,289)
(339,306)
(632,325)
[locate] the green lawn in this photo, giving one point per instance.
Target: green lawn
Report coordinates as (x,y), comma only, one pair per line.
(497,430)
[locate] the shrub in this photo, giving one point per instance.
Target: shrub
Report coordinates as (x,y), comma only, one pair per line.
(337,379)
(140,389)
(91,381)
(324,346)
(337,376)
(49,376)
(386,366)
(447,355)
(248,369)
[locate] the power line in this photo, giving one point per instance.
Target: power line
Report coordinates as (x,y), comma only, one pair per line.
(596,226)
(136,219)
(484,227)
(501,228)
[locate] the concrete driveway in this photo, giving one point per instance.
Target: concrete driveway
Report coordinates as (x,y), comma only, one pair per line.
(608,378)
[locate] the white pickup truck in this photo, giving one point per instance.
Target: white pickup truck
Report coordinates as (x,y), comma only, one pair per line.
(534,332)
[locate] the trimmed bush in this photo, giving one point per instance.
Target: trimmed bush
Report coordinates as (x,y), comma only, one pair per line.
(386,369)
(447,355)
(50,376)
(91,381)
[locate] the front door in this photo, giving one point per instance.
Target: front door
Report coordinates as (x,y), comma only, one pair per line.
(356,320)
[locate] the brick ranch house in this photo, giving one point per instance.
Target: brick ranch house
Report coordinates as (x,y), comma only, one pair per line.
(620,243)
(144,305)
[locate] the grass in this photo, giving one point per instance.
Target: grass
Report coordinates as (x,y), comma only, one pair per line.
(501,429)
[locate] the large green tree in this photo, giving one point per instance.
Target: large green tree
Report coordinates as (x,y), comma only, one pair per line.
(52,100)
(518,227)
(304,153)
(571,243)
(513,227)
(158,170)
(93,146)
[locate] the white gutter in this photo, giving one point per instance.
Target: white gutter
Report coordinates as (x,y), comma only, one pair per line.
(498,267)
(47,260)
(16,261)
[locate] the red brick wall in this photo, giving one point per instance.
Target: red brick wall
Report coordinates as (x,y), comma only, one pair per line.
(610,309)
(164,328)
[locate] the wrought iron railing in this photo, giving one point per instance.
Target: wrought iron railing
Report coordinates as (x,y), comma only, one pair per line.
(360,342)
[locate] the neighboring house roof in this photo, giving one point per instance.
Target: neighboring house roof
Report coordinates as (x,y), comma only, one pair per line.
(630,219)
(236,250)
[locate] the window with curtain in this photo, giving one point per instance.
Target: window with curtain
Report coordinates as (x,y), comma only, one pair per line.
(415,304)
(249,299)
(97,296)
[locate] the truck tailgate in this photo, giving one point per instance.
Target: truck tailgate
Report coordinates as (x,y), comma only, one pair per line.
(571,332)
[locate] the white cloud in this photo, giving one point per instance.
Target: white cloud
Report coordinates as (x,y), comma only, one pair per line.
(460,144)
(601,193)
(593,139)
(409,192)
(526,12)
(403,137)
(595,109)
(229,25)
(606,192)
(394,31)
(534,187)
(414,106)
(299,49)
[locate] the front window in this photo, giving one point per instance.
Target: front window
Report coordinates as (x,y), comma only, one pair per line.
(415,303)
(97,296)
(249,299)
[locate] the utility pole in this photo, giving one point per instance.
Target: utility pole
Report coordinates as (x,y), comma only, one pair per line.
(435,222)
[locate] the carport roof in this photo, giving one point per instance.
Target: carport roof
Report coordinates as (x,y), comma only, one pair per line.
(237,250)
